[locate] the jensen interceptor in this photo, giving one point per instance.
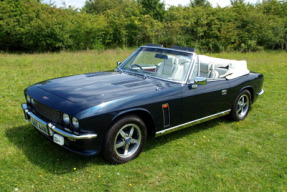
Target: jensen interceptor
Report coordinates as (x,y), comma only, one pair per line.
(155,91)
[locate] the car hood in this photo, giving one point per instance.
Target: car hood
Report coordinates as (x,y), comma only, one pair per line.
(96,88)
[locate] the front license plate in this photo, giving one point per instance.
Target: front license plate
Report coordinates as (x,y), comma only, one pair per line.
(40,126)
(58,139)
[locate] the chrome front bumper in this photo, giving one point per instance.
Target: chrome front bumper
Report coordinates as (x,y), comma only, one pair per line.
(52,128)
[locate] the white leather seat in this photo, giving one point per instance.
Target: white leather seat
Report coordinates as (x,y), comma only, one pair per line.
(224,72)
(213,74)
(204,69)
(208,70)
(181,69)
(167,68)
(221,71)
(234,68)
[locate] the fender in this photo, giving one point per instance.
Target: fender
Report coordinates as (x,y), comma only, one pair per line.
(249,87)
(130,111)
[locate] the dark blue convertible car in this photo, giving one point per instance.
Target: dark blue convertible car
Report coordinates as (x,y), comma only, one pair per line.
(154,91)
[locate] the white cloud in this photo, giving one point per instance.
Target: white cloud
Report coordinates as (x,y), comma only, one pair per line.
(224,3)
(221,3)
(61,3)
(177,2)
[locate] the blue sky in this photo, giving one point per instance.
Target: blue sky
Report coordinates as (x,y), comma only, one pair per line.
(81,3)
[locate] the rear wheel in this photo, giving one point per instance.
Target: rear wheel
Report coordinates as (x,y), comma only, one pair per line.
(241,106)
(125,139)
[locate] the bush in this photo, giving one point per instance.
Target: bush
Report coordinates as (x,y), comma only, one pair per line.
(27,25)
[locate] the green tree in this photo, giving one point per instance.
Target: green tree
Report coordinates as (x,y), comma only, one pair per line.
(154,8)
(200,3)
(30,26)
(236,2)
(100,6)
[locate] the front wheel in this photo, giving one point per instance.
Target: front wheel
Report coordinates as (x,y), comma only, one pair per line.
(125,140)
(241,106)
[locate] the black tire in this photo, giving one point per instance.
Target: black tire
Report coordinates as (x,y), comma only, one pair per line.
(125,140)
(241,106)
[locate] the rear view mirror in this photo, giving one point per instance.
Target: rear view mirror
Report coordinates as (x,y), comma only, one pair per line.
(118,63)
(161,56)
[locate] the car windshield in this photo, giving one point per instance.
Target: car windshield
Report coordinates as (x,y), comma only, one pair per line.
(161,63)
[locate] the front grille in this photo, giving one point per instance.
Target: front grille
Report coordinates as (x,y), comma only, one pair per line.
(47,112)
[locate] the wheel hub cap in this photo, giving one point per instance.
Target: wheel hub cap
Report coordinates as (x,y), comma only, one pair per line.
(242,106)
(127,140)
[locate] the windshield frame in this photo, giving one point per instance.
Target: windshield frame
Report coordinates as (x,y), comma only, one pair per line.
(184,81)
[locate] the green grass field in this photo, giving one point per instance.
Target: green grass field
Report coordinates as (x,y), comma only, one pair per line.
(218,155)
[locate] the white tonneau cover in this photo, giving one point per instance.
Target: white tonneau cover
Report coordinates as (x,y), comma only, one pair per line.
(233,68)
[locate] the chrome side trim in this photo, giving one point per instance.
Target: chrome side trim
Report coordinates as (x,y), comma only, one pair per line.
(194,122)
(261,92)
(28,114)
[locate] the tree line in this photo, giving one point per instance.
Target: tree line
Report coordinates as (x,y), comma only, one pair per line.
(31,26)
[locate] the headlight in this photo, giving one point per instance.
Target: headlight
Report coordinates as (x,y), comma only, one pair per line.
(33,101)
(66,119)
(28,99)
(75,123)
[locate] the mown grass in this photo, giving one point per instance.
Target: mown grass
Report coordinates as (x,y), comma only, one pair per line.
(219,155)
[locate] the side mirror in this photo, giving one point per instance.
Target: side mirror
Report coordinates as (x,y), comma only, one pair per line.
(200,80)
(118,63)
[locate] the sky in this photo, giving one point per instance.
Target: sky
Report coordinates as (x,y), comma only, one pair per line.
(81,3)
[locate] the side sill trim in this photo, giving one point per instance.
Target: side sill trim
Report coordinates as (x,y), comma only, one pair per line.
(194,122)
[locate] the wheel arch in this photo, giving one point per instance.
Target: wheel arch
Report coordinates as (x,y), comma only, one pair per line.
(251,90)
(144,114)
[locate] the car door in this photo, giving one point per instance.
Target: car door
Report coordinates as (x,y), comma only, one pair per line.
(205,100)
(201,101)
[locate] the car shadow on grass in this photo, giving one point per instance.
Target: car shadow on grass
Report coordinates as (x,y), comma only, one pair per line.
(46,154)
(53,158)
(155,142)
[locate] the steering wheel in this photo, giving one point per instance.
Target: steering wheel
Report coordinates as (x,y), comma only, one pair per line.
(137,65)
